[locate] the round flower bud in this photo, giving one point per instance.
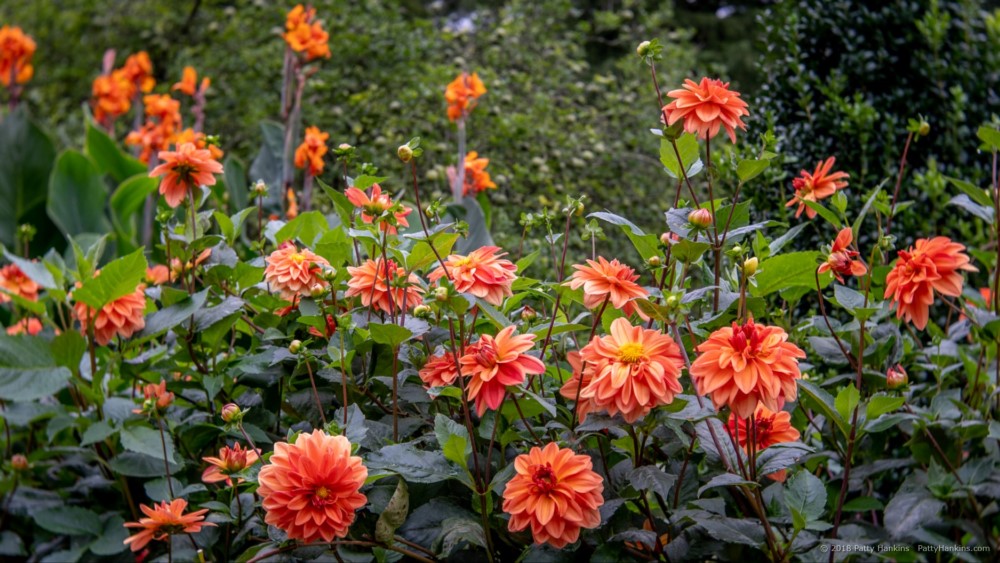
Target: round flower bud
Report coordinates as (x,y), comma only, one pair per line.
(231,412)
(925,129)
(643,49)
(421,311)
(295,347)
(259,188)
(654,262)
(441,294)
(18,462)
(528,314)
(700,218)
(405,153)
(750,266)
(344,147)
(896,377)
(667,238)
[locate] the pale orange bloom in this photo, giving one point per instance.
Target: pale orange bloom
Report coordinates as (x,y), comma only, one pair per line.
(603,280)
(157,275)
(29,325)
(183,170)
(16,51)
(112,95)
(575,384)
(842,260)
(293,272)
(742,366)
(156,397)
(293,205)
(771,428)
(384,286)
(440,370)
(556,492)
(230,460)
(189,82)
(122,317)
(483,273)
(496,362)
(311,150)
(817,186)
(306,35)
(164,108)
(374,207)
(139,70)
(707,107)
(929,265)
(13,280)
(152,137)
(311,489)
(462,94)
(477,179)
(631,370)
(199,139)
(164,519)
(178,268)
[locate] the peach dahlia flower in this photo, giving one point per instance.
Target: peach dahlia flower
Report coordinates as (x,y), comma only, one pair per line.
(373,207)
(929,265)
(440,370)
(122,317)
(230,460)
(295,272)
(612,280)
(163,520)
(384,286)
(495,362)
(707,107)
(819,185)
(771,428)
(183,170)
(573,387)
(14,280)
(842,260)
(484,273)
(27,325)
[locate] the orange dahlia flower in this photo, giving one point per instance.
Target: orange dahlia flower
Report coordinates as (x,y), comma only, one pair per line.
(771,428)
(842,258)
(440,370)
(139,70)
(29,325)
(189,82)
(122,317)
(157,275)
(612,280)
(14,281)
(151,138)
(556,492)
(483,273)
(16,50)
(112,95)
(230,460)
(295,272)
(574,386)
(164,519)
(632,370)
(183,170)
(707,107)
(742,366)
(462,94)
(311,150)
(374,207)
(477,179)
(929,265)
(199,139)
(156,398)
(819,185)
(305,35)
(494,362)
(384,286)
(311,488)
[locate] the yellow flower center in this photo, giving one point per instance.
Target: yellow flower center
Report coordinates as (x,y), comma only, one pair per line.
(322,492)
(631,353)
(298,258)
(464,261)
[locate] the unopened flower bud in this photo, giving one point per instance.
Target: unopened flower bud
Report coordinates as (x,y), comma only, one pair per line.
(750,266)
(667,238)
(18,462)
(654,262)
(344,147)
(231,412)
(421,311)
(259,188)
(671,302)
(295,347)
(405,153)
(701,218)
(441,294)
(643,49)
(925,129)
(528,314)
(896,377)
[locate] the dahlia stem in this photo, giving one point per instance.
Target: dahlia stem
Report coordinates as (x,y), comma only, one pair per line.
(423,221)
(459,187)
(524,419)
(307,190)
(826,319)
(319,404)
(395,394)
(899,182)
(166,461)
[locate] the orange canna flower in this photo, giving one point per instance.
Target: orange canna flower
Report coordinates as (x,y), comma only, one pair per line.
(306,35)
(770,428)
(189,82)
(151,138)
(603,280)
(183,170)
(483,273)
(139,71)
(165,109)
(14,281)
(384,286)
(295,272)
(299,15)
(842,259)
(29,325)
(742,366)
(163,520)
(230,460)
(293,205)
(462,94)
(573,387)
(819,185)
(929,265)
(495,362)
(477,179)
(157,275)
(556,492)
(310,489)
(122,317)
(631,370)
(311,150)
(440,370)
(707,107)
(16,50)
(112,95)
(374,207)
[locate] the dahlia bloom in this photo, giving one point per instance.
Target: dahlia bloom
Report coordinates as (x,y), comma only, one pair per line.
(139,70)
(310,489)
(199,139)
(151,138)
(896,377)
(230,460)
(384,285)
(461,95)
(707,107)
(483,273)
(477,179)
(16,50)
(295,272)
(440,370)
(157,275)
(189,82)
(819,185)
(13,280)
(556,492)
(742,366)
(771,428)
(842,259)
(164,519)
(373,207)
(632,370)
(304,35)
(311,151)
(122,317)
(112,95)
(183,170)
(27,325)
(573,387)
(929,265)
(494,362)
(602,280)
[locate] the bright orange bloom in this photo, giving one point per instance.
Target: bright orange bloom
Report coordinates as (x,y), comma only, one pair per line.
(483,273)
(741,366)
(374,207)
(819,185)
(230,460)
(139,70)
(706,108)
(157,398)
(929,265)
(183,170)
(384,286)
(462,94)
(311,488)
(199,139)
(189,82)
(13,280)
(122,317)
(612,280)
(305,35)
(178,268)
(112,95)
(477,179)
(29,325)
(842,259)
(440,370)
(573,387)
(631,370)
(293,205)
(311,150)
(151,137)
(771,428)
(495,362)
(157,275)
(295,272)
(164,519)
(555,491)
(165,109)
(16,50)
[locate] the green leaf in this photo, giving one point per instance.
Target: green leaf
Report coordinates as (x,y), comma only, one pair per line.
(112,537)
(825,213)
(36,271)
(68,520)
(26,158)
(335,246)
(146,441)
(856,227)
(118,278)
(978,195)
(27,369)
(234,174)
(129,199)
(724,480)
(453,439)
(389,334)
(848,298)
(97,432)
(734,530)
(422,255)
(687,146)
(688,251)
(307,227)
(805,497)
(788,270)
(847,399)
(750,169)
(990,136)
(881,404)
(109,158)
(394,514)
(77,196)
(824,402)
(416,466)
(652,478)
(171,316)
(863,504)
(364,182)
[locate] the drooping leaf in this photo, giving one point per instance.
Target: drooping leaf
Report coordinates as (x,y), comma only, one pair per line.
(109,158)
(27,369)
(77,196)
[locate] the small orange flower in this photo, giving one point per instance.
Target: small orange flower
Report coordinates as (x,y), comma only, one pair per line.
(230,460)
(495,362)
(573,387)
(484,273)
(706,108)
(177,268)
(152,137)
(384,286)
(462,94)
(293,205)
(929,265)
(122,317)
(13,280)
(16,51)
(440,370)
(112,96)
(374,207)
(742,366)
(612,280)
(157,275)
(310,489)
(189,82)
(295,272)
(328,330)
(306,35)
(631,370)
(477,179)
(819,185)
(842,259)
(163,520)
(29,325)
(183,170)
(556,492)
(311,150)
(896,377)
(771,428)
(156,396)
(199,139)
(164,109)
(139,71)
